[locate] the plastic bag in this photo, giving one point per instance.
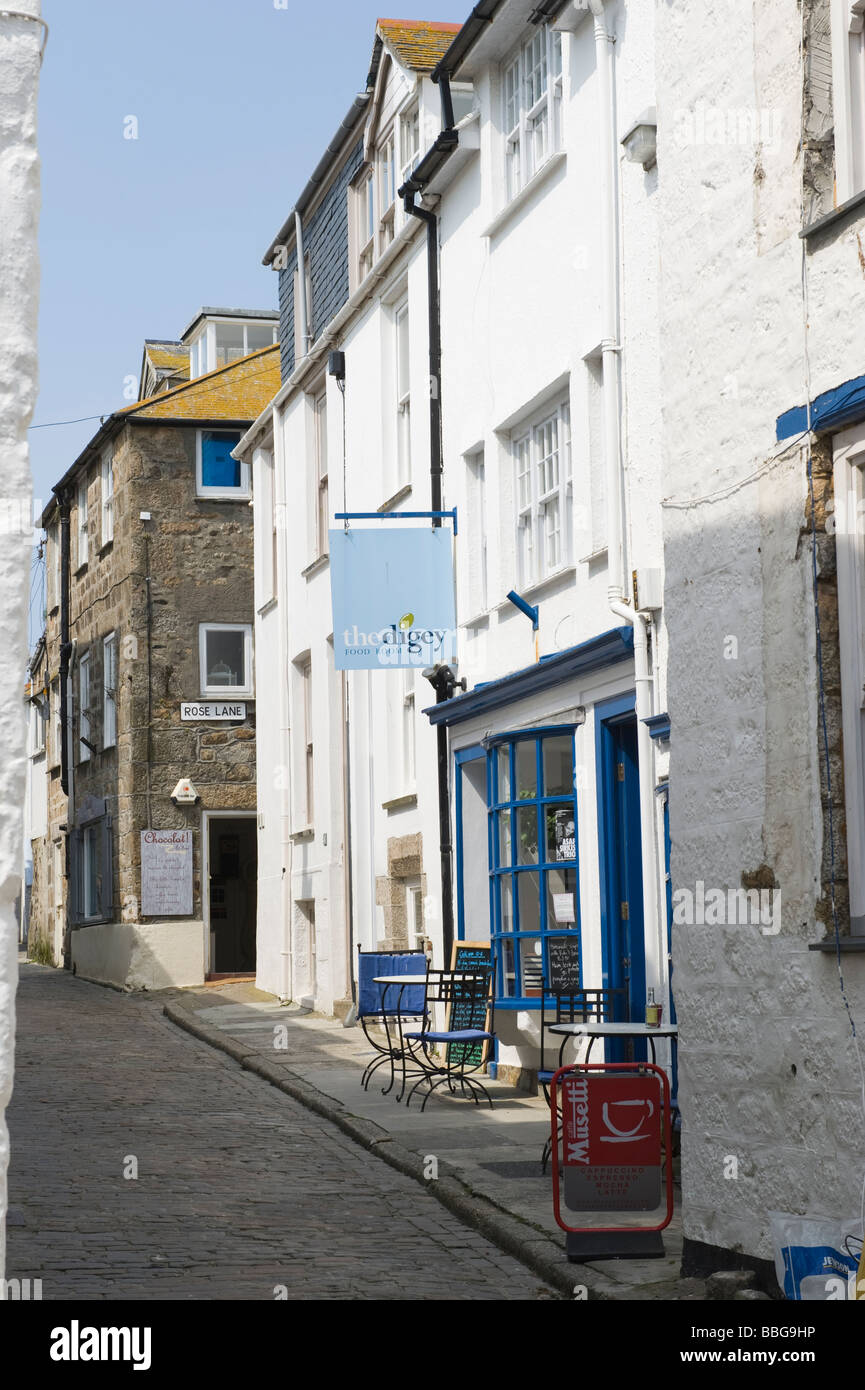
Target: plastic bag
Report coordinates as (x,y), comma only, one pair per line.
(816,1257)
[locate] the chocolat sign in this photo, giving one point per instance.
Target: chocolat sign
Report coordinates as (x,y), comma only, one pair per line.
(166,873)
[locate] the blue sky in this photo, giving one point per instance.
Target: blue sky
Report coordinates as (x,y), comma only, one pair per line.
(235,102)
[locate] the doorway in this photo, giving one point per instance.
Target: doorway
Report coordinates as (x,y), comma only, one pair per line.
(623,944)
(231,872)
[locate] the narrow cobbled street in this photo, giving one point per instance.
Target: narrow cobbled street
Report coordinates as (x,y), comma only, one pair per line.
(240,1192)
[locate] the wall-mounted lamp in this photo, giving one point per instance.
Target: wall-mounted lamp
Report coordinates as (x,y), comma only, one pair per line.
(641,140)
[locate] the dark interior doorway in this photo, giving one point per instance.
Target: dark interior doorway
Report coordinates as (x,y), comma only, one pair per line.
(232,872)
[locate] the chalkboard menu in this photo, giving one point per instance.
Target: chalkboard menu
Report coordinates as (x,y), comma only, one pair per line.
(563,954)
(166,873)
(474,956)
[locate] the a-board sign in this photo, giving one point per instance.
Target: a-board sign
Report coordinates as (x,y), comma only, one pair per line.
(611,1141)
(166,873)
(563,955)
(468,1013)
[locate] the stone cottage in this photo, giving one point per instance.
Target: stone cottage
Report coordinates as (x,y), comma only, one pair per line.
(148,877)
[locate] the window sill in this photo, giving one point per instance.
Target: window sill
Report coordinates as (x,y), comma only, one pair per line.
(540,587)
(320,563)
(308,833)
(594,556)
(267,607)
(226,695)
(850,205)
(79,569)
(400,803)
(399,496)
(481,619)
(545,172)
(105,547)
(218,495)
(846,945)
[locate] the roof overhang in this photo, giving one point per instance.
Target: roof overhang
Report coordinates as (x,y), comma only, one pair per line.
(606,650)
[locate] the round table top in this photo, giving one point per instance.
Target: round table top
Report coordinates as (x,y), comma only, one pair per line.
(399,980)
(617,1030)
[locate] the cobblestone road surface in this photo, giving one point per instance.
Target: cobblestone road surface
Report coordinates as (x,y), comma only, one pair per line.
(239,1188)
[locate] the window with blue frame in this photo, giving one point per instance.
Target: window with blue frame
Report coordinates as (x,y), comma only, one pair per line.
(218,474)
(533,854)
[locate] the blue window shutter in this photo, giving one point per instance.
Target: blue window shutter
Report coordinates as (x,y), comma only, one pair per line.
(218,468)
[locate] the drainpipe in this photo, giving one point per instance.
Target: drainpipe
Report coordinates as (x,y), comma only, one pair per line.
(610,355)
(435,424)
(64,500)
(301,285)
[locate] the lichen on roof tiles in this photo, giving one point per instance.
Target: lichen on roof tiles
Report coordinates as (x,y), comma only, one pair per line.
(417,43)
(238,391)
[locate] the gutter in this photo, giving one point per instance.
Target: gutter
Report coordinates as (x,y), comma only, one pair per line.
(316,178)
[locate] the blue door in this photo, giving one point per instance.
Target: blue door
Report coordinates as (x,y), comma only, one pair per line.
(623,938)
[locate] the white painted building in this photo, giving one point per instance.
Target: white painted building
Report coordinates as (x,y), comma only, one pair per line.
(21,42)
(552,459)
(761,153)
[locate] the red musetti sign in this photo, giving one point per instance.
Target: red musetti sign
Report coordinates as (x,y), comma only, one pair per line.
(609,1118)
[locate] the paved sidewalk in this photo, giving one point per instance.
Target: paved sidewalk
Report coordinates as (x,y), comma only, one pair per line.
(487,1161)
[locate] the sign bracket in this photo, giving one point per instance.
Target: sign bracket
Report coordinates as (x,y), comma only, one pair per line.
(391,516)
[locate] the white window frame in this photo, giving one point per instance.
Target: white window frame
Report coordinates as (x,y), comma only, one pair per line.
(241,493)
(386,186)
(84,691)
(417,933)
(225,692)
(527,111)
(849,523)
(307,782)
(409,123)
(109,690)
(402,389)
(107,497)
(477,578)
(56,735)
(536,489)
(848,95)
(205,344)
(35,730)
(52,569)
(365,223)
(82,549)
(319,473)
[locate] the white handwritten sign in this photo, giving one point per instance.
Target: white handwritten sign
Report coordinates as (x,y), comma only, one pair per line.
(166,873)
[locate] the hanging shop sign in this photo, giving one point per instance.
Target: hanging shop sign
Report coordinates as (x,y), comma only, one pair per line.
(393,598)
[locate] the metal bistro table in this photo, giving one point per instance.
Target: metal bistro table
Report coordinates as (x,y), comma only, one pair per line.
(594,1030)
(397,1054)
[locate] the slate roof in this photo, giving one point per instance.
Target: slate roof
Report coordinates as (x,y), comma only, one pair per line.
(418,44)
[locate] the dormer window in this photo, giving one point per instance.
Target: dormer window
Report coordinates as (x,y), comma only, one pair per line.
(223,341)
(218,475)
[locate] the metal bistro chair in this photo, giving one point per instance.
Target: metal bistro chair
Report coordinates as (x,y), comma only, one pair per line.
(582,1006)
(468,996)
(372,998)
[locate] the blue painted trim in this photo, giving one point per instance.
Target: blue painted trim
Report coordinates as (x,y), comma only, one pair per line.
(544,730)
(658,725)
(390,516)
(839,406)
(463,755)
(609,709)
(605,650)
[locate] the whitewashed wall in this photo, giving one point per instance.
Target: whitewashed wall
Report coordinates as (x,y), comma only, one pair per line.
(20,41)
(767,1072)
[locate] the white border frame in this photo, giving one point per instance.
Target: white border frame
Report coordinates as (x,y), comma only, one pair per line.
(206,818)
(221,494)
(226,692)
